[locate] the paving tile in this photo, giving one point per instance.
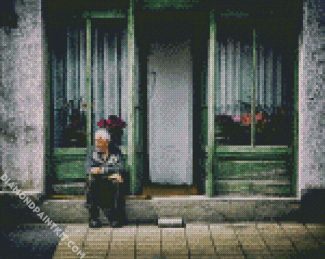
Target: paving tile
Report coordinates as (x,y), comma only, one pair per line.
(318,231)
(151,256)
(202,251)
(228,249)
(304,245)
(259,256)
(147,249)
(251,240)
(94,257)
(292,229)
(120,256)
(285,255)
(201,241)
(197,228)
(96,253)
(253,252)
(175,251)
(177,256)
(221,229)
(173,233)
(121,253)
(229,256)
(202,256)
(173,246)
(283,248)
(225,240)
(148,252)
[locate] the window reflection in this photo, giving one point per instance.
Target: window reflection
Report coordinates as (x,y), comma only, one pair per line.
(68,80)
(235,83)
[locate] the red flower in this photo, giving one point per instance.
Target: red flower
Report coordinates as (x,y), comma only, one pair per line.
(101,123)
(259,116)
(246,119)
(113,122)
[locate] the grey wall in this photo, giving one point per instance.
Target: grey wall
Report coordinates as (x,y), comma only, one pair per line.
(311,96)
(21,97)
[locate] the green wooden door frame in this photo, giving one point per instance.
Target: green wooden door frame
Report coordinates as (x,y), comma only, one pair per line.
(131,149)
(211,104)
(88,81)
(63,158)
(252,152)
(132,163)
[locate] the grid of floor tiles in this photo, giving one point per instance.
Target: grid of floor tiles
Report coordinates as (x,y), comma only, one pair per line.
(241,240)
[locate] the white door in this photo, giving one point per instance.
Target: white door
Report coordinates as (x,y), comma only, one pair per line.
(170,112)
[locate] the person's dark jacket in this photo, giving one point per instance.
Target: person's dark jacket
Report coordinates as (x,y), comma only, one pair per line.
(114,164)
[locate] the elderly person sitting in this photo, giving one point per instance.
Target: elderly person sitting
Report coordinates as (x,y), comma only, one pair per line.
(104,186)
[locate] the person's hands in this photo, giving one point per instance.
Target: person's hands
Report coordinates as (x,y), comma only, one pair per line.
(97,170)
(116,178)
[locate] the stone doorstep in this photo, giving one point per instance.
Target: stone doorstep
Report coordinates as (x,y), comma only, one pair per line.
(196,209)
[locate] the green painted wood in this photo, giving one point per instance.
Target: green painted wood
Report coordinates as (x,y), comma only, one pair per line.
(251,153)
(253,97)
(252,156)
(69,163)
(47,119)
(247,152)
(250,188)
(132,166)
(107,14)
(256,149)
(252,170)
(88,82)
(295,145)
(211,102)
(169,4)
(70,169)
(69,151)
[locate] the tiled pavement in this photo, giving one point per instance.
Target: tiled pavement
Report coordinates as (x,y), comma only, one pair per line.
(198,241)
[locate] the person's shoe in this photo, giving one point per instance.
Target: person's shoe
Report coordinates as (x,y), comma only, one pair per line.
(95,223)
(116,224)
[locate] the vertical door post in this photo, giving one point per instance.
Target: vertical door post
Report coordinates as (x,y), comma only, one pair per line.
(253,92)
(211,104)
(131,98)
(88,82)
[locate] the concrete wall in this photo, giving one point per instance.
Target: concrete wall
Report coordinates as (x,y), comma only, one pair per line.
(22,97)
(312,97)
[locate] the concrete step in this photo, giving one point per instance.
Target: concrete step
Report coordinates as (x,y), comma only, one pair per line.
(195,208)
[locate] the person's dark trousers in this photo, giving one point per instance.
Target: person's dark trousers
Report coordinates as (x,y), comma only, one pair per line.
(118,203)
(93,196)
(108,195)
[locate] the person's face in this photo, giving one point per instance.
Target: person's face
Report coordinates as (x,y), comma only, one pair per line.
(101,143)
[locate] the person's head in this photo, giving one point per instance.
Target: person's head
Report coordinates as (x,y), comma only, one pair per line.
(102,138)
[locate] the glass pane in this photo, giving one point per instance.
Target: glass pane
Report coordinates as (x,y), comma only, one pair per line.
(234,82)
(273,124)
(68,62)
(109,67)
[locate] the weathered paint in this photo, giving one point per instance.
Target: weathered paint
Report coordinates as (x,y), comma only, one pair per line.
(253,95)
(211,102)
(132,99)
(104,14)
(88,82)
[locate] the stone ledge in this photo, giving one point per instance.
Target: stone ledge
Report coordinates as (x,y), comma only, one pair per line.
(190,209)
